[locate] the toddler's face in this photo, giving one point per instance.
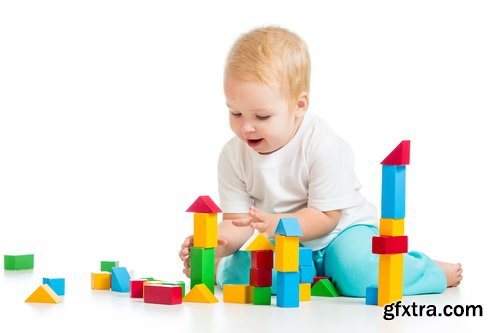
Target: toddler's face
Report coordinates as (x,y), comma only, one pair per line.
(260,116)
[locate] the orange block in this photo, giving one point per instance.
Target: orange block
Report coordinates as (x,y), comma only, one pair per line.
(205,230)
(390,278)
(287,253)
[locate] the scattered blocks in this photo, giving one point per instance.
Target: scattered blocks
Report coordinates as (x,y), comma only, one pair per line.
(325,288)
(101,281)
(106,266)
(236,293)
(137,288)
(18,262)
(43,294)
(162,294)
(57,285)
(371,295)
(120,279)
(200,294)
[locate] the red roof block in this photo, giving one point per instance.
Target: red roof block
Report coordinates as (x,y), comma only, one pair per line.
(400,155)
(203,205)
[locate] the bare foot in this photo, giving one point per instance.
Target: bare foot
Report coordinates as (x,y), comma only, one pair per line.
(453,273)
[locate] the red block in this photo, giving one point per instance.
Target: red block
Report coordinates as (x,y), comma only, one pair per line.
(262,259)
(136,288)
(162,294)
(317,278)
(400,155)
(261,277)
(389,244)
(204,204)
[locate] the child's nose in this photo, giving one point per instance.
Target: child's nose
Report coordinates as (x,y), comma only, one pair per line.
(248,127)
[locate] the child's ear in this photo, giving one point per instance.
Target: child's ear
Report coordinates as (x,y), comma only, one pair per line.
(302,103)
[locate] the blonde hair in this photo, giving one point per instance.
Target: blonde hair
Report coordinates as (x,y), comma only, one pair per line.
(271,55)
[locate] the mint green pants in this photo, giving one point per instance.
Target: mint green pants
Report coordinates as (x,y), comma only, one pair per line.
(349,261)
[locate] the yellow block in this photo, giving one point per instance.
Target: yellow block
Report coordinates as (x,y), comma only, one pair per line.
(236,293)
(305,292)
(390,278)
(200,294)
(43,294)
(392,227)
(101,281)
(258,242)
(287,253)
(205,230)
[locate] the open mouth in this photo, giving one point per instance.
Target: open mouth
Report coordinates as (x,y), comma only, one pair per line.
(254,142)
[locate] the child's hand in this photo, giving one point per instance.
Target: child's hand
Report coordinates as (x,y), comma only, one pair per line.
(261,221)
(184,253)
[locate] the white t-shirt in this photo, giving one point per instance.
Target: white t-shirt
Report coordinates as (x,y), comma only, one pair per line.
(315,169)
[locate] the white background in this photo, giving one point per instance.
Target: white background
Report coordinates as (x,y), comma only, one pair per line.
(112,116)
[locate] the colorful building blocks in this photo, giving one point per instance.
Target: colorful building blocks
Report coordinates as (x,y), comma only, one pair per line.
(18,262)
(371,295)
(200,294)
(43,294)
(393,191)
(202,267)
(400,155)
(324,287)
(162,294)
(137,288)
(236,293)
(56,284)
(389,244)
(304,292)
(392,227)
(256,243)
(100,281)
(107,265)
(260,295)
(120,279)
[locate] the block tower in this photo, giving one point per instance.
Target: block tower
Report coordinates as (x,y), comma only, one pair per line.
(392,243)
(287,235)
(202,253)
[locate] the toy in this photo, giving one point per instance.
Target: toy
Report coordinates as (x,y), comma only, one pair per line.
(18,262)
(43,294)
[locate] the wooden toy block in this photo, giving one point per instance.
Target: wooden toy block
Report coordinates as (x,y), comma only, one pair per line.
(177,283)
(287,289)
(137,288)
(307,274)
(257,242)
(162,294)
(120,279)
(203,267)
(319,277)
(43,294)
(18,262)
(260,277)
(287,253)
(304,292)
(393,191)
(200,294)
(262,259)
(389,244)
(101,281)
(305,256)
(236,293)
(400,155)
(56,284)
(392,227)
(260,295)
(288,226)
(390,280)
(324,287)
(205,230)
(107,265)
(371,295)
(204,204)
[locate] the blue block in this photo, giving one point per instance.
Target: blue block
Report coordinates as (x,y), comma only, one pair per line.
(393,191)
(55,284)
(288,226)
(288,289)
(120,279)
(307,274)
(372,295)
(305,256)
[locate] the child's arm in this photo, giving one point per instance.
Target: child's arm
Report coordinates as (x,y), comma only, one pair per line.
(235,237)
(314,223)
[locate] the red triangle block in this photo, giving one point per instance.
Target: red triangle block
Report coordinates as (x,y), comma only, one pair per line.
(400,155)
(203,205)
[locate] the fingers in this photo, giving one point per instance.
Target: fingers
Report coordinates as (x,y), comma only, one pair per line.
(245,222)
(222,241)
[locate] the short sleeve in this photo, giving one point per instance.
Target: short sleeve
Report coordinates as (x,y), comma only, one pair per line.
(332,181)
(232,189)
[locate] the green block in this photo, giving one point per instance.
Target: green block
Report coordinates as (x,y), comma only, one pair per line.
(18,262)
(107,265)
(261,295)
(324,287)
(202,267)
(148,278)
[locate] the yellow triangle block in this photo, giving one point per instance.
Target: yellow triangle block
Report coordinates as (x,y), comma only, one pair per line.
(257,242)
(200,294)
(43,294)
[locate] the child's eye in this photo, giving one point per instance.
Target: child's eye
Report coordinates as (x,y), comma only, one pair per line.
(235,114)
(263,117)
